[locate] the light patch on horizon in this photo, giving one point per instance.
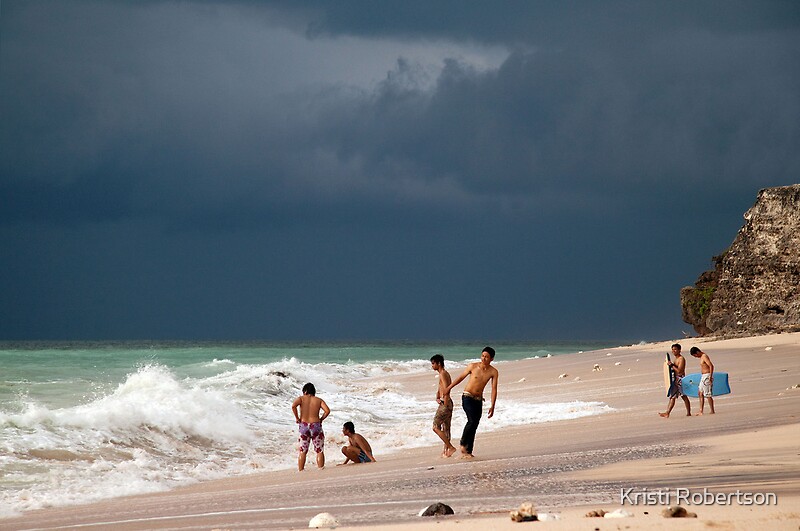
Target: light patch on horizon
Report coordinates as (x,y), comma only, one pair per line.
(357,62)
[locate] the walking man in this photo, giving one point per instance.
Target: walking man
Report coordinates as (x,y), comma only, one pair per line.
(480,373)
(679,366)
(444,414)
(706,380)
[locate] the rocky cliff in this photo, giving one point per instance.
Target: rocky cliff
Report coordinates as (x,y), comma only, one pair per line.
(754,287)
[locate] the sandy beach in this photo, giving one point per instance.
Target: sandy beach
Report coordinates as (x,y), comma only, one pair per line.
(566,468)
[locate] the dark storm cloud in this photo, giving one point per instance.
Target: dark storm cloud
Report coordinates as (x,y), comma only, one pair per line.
(619,95)
(558,164)
(570,23)
(129,113)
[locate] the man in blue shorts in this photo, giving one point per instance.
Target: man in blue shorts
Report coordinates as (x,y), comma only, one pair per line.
(359,450)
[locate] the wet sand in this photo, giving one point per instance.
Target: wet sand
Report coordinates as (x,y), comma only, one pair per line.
(566,467)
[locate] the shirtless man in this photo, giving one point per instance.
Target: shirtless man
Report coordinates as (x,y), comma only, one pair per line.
(444,414)
(679,366)
(359,450)
(310,424)
(706,380)
(480,373)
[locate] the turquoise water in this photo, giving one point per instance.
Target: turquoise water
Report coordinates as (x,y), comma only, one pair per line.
(61,374)
(80,422)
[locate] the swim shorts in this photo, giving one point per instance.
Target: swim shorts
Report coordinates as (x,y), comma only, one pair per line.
(362,457)
(443,417)
(311,432)
(705,384)
(677,389)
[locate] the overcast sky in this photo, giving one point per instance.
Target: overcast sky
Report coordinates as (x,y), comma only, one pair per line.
(381,170)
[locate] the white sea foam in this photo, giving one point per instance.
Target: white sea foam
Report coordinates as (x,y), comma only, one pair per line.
(155,431)
(216,363)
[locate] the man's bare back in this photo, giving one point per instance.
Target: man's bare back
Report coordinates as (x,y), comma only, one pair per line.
(444,413)
(310,406)
(358,440)
(705,364)
(306,408)
(444,382)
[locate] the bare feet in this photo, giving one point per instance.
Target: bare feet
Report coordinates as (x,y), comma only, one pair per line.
(450,451)
(698,414)
(467,456)
(665,415)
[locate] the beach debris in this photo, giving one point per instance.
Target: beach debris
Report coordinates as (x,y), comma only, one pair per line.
(545,517)
(617,364)
(596,368)
(677,512)
(521,380)
(526,512)
(577,379)
(609,354)
(619,513)
(768,348)
(563,375)
(436,509)
(796,386)
(549,355)
(599,513)
(323,520)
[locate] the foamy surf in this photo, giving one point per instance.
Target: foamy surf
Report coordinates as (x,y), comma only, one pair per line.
(157,430)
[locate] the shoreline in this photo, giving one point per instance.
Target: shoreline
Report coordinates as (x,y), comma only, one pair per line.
(563,466)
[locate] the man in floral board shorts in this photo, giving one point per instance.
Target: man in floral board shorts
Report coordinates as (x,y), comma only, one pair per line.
(309,423)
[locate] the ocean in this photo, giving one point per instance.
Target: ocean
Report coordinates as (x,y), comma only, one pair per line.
(80,422)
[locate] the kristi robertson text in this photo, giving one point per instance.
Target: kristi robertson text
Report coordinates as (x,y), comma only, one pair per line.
(689,497)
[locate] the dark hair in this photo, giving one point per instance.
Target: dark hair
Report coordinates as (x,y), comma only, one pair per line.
(309,389)
(438,358)
(694,350)
(349,427)
(677,346)
(490,350)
